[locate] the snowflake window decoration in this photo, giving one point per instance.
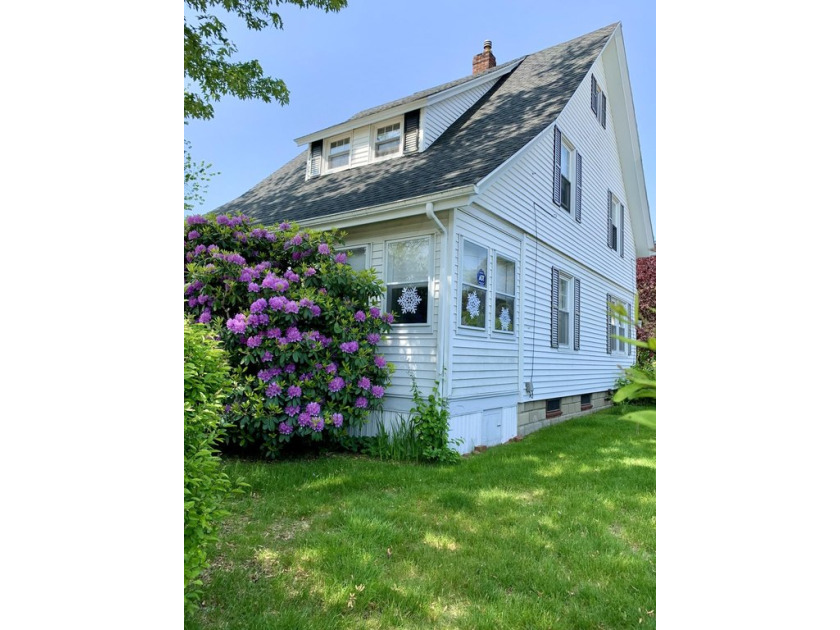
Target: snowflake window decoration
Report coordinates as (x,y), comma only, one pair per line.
(504,318)
(473,304)
(409,300)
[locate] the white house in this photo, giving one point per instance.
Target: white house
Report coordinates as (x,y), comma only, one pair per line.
(503,211)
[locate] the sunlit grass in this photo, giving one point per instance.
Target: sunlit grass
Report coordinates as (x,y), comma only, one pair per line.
(555,531)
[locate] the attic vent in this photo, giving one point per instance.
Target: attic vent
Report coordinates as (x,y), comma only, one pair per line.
(315,158)
(412,131)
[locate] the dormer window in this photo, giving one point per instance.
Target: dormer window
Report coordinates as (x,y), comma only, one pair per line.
(387,140)
(339,153)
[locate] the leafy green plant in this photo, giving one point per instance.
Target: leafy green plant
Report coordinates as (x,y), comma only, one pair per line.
(638,382)
(206,381)
(430,418)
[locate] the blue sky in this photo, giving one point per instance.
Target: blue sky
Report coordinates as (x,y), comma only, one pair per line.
(376,51)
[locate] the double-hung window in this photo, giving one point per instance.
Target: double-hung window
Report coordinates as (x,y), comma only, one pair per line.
(598,102)
(338,154)
(407,274)
(615,223)
(617,326)
(568,167)
(356,257)
(474,285)
(565,310)
(505,295)
(387,139)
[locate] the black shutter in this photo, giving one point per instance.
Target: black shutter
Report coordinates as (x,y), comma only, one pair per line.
(578,187)
(557,145)
(577,314)
(603,110)
(412,131)
(315,158)
(593,97)
(609,219)
(609,318)
(555,314)
(621,227)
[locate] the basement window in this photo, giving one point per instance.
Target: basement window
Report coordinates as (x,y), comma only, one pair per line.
(585,402)
(552,408)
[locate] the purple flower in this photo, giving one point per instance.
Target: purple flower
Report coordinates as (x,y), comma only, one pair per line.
(195,286)
(315,310)
(256,319)
(267,356)
(255,341)
(296,256)
(284,428)
(313,408)
(204,317)
(336,384)
(200,249)
(194,234)
(292,410)
(291,276)
(297,239)
(290,307)
(270,281)
(305,302)
(388,318)
(273,390)
(293,334)
(373,339)
(193,302)
(213,248)
(330,368)
(294,391)
(236,259)
(374,312)
(310,271)
(323,249)
(290,368)
(277,303)
(378,391)
(196,219)
(274,333)
(203,299)
(319,426)
(305,420)
(258,306)
(341,257)
(253,288)
(222,220)
(379,361)
(364,383)
(359,316)
(349,346)
(338,419)
(237,324)
(361,402)
(284,226)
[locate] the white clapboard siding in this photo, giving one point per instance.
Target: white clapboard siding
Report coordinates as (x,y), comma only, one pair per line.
(442,114)
(522,191)
(360,152)
(482,362)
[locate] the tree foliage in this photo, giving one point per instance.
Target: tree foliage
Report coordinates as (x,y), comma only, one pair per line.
(209,67)
(639,381)
(196,179)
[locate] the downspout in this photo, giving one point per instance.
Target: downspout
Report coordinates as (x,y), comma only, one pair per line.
(443,310)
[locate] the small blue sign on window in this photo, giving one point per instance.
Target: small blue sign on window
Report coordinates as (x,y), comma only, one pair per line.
(481,277)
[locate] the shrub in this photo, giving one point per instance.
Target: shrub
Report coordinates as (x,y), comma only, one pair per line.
(297,322)
(206,379)
(430,417)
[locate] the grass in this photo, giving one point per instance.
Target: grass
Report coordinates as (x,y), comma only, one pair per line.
(555,531)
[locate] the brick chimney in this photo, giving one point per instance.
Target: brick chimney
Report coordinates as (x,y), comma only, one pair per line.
(486,60)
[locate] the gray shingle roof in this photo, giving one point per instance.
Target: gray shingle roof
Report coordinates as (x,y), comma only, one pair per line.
(508,116)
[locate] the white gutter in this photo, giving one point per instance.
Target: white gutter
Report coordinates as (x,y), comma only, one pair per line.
(443,310)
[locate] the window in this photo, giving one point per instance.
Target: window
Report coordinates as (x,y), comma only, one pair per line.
(356,257)
(617,325)
(598,102)
(615,223)
(585,402)
(339,153)
(562,171)
(474,285)
(552,408)
(505,298)
(387,140)
(560,309)
(407,275)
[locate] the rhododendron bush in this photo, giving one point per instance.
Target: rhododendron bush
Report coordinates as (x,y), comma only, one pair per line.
(297,322)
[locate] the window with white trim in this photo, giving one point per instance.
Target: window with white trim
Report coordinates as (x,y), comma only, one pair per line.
(387,139)
(615,224)
(598,102)
(505,295)
(407,278)
(565,311)
(474,285)
(618,326)
(338,153)
(356,257)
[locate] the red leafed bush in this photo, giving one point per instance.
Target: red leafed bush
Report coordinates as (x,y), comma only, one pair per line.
(646,286)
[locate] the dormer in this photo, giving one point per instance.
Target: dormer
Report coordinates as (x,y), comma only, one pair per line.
(402,127)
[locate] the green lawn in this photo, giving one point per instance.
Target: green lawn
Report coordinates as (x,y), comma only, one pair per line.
(555,531)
